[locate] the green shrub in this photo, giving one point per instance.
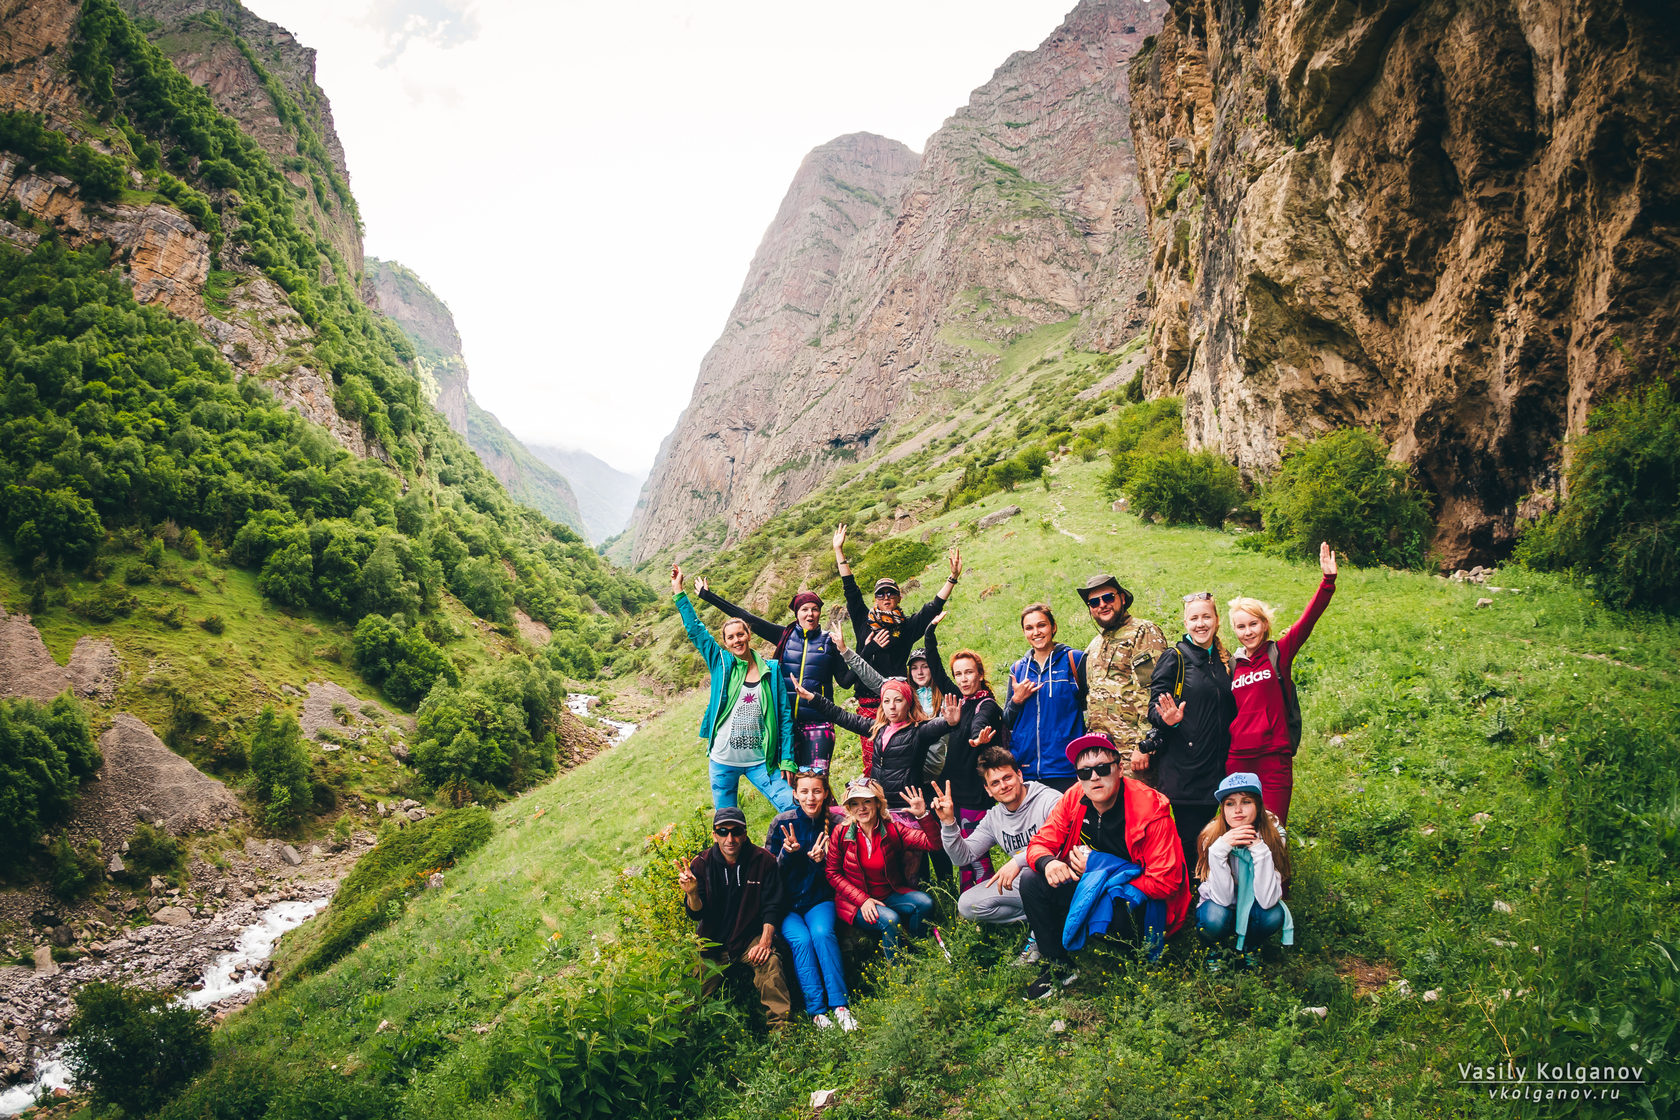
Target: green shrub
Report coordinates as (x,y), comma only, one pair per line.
(46,752)
(1620,524)
(212,623)
(152,851)
(1343,488)
(375,891)
(279,769)
(1184,489)
(133,1048)
(1139,431)
(75,871)
(898,558)
(401,661)
(104,603)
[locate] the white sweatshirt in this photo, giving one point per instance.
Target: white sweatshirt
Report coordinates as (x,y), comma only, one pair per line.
(1220,887)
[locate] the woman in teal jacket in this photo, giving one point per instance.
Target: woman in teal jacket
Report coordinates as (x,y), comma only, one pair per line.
(748,725)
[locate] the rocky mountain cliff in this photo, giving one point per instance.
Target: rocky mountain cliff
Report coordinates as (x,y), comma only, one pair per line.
(399,294)
(886,283)
(1456,221)
(606,495)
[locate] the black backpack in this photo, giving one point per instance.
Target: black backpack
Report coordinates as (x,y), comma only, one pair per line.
(1291,702)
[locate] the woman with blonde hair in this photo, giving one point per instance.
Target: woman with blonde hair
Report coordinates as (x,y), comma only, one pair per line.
(1266,730)
(1243,864)
(866,867)
(1191,712)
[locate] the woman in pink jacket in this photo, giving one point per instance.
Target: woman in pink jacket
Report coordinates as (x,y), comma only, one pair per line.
(1266,731)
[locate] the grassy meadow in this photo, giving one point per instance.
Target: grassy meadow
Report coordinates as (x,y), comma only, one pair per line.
(1484,829)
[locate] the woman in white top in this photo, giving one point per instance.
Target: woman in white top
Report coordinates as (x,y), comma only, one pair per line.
(1242,862)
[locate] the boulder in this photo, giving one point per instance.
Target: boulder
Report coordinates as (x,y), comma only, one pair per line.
(290,855)
(44,963)
(999,517)
(62,936)
(173,916)
(116,866)
(409,803)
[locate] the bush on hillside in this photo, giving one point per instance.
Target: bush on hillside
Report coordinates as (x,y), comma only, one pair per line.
(46,752)
(279,770)
(1620,525)
(897,558)
(133,1048)
(378,887)
(152,851)
(501,729)
(1184,489)
(1138,432)
(1343,488)
(400,661)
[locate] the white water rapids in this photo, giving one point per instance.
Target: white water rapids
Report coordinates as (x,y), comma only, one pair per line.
(578,704)
(235,972)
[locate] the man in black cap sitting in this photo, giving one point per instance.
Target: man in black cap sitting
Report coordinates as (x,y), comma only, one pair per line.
(1118,665)
(734,891)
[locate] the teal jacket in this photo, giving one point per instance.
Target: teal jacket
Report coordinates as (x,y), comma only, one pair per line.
(728,671)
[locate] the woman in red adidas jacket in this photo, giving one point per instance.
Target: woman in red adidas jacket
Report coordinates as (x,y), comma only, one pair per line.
(1267,729)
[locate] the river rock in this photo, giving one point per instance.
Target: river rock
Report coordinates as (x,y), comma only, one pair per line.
(44,963)
(409,803)
(290,855)
(999,517)
(173,916)
(417,814)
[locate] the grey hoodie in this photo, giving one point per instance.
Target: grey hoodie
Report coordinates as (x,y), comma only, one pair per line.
(1009,831)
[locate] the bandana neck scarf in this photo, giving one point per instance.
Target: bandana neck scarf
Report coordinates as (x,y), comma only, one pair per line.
(887,620)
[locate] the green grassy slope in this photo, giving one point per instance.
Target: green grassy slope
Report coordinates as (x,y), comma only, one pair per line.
(1547,926)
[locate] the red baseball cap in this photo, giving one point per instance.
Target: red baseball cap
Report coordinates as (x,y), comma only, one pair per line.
(1089,742)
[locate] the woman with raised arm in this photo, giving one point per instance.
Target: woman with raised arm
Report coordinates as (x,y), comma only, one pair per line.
(979,724)
(748,726)
(866,858)
(1266,731)
(807,655)
(885,635)
(1191,709)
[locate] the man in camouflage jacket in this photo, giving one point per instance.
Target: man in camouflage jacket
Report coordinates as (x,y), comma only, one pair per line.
(1118,665)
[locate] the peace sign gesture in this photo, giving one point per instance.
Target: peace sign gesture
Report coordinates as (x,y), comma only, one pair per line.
(790,840)
(943,807)
(1171,712)
(685,878)
(819,848)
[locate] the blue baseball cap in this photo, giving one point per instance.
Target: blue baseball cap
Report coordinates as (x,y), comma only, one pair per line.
(1240,782)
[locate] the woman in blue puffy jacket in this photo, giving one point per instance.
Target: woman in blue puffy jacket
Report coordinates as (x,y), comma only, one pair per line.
(1046,709)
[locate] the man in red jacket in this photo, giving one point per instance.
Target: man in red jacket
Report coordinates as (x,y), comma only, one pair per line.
(1105,812)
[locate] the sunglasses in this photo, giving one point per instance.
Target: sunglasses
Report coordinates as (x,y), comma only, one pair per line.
(1105,597)
(811,770)
(730,830)
(1100,770)
(1197,595)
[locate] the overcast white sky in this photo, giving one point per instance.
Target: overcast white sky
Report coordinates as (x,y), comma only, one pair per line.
(584,184)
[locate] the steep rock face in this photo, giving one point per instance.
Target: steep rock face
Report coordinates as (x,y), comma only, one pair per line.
(397,292)
(199,37)
(884,282)
(1453,220)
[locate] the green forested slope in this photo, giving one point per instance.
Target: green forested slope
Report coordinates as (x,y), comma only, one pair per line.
(1484,809)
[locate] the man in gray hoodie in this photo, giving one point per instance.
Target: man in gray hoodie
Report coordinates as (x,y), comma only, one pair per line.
(1021,808)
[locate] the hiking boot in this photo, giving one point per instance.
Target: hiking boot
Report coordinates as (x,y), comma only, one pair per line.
(1029,954)
(822,1022)
(1051,979)
(844,1016)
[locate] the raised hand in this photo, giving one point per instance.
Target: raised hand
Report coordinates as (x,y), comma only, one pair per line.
(914,802)
(839,538)
(1021,691)
(700,583)
(1326,558)
(804,693)
(985,736)
(956,564)
(1170,711)
(685,878)
(943,806)
(790,840)
(937,619)
(676,579)
(951,711)
(819,849)
(838,637)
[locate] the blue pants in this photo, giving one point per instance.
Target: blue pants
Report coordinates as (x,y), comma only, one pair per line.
(726,780)
(906,908)
(1216,924)
(816,958)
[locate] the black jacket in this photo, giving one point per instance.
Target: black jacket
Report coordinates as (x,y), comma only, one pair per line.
(968,786)
(897,761)
(1191,759)
(889,660)
(737,900)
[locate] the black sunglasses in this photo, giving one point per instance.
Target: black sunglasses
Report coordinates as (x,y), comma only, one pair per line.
(1105,597)
(1100,770)
(730,830)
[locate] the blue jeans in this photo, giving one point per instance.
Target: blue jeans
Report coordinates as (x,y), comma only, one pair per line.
(1216,924)
(726,780)
(906,908)
(816,957)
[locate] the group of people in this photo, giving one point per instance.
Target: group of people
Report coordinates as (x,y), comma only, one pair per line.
(1118,782)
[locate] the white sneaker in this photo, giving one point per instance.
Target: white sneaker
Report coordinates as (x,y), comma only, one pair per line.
(847,1023)
(821,1022)
(1029,954)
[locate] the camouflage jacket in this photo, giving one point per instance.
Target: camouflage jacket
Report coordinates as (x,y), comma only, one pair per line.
(1118,666)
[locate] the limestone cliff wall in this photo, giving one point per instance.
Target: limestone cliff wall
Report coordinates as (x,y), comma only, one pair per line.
(1456,221)
(886,281)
